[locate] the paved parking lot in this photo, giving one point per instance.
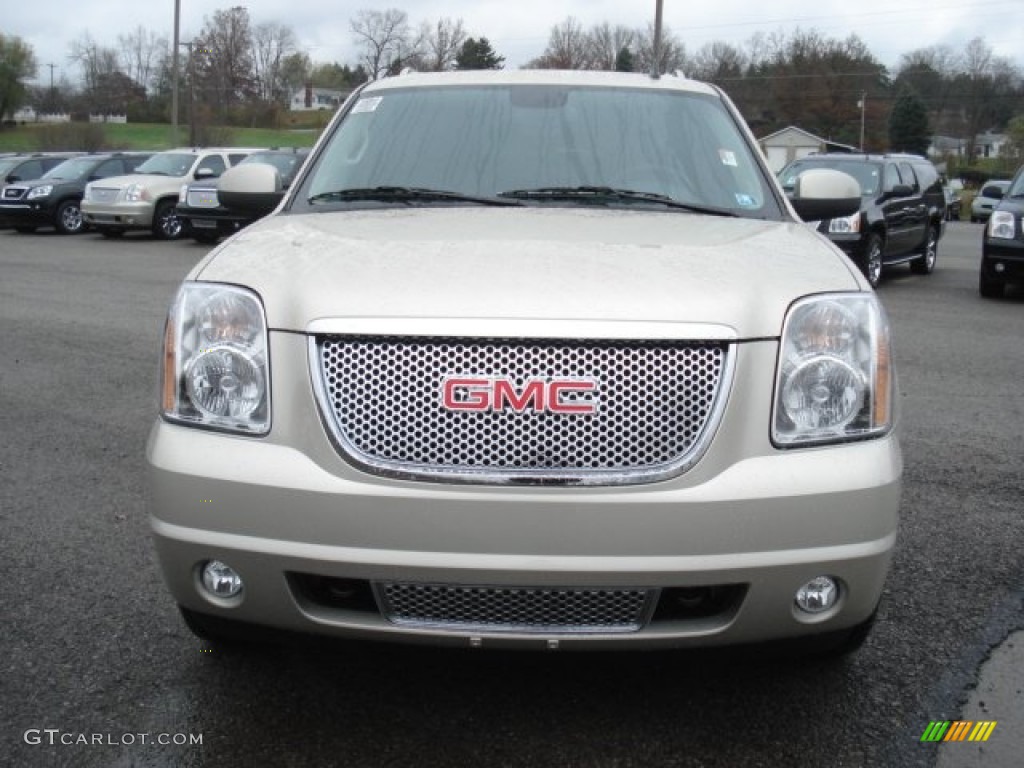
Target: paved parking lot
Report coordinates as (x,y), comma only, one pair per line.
(94,651)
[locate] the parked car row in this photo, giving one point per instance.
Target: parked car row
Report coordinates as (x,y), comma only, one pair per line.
(113,193)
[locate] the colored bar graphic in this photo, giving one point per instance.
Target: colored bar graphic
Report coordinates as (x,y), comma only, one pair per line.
(958,730)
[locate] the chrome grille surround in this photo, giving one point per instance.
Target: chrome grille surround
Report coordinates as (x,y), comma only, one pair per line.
(516,609)
(657,405)
(14,193)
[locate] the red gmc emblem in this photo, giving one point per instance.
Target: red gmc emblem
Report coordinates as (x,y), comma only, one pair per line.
(495,393)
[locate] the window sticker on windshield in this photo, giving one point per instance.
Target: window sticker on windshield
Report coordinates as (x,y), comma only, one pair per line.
(728,157)
(368,105)
(745,201)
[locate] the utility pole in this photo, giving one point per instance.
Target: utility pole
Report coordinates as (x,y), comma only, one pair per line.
(53,106)
(863,103)
(656,65)
(174,74)
(191,94)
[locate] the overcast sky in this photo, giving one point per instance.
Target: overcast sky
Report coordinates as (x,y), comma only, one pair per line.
(518,29)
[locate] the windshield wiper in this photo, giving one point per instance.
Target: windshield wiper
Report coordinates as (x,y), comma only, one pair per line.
(592,193)
(405,195)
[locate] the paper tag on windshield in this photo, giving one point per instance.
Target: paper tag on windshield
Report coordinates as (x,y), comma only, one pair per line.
(728,157)
(368,105)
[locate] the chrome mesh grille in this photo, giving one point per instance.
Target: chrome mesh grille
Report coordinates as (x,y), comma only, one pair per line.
(202,198)
(103,194)
(14,193)
(516,609)
(653,404)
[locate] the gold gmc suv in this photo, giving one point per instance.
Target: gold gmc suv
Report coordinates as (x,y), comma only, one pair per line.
(530,359)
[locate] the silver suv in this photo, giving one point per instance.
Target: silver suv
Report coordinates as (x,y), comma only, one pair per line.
(146,198)
(534,359)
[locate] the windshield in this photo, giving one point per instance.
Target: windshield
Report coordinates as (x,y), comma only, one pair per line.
(485,141)
(868,175)
(285,164)
(1017,188)
(71,169)
(6,165)
(168,164)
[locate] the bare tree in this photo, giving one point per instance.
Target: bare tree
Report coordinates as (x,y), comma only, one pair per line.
(673,52)
(718,63)
(384,37)
(94,59)
(140,53)
(222,60)
(606,42)
(441,44)
(568,48)
(272,44)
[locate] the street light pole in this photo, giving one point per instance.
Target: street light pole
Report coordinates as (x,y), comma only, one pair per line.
(656,65)
(174,74)
(863,104)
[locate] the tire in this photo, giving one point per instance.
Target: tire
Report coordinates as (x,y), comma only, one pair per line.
(110,232)
(871,260)
(990,287)
(68,220)
(925,263)
(166,224)
(25,230)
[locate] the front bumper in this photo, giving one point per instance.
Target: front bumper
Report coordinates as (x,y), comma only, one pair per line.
(22,213)
(211,220)
(120,215)
(1003,258)
(286,509)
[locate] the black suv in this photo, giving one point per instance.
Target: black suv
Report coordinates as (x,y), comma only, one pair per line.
(54,199)
(1002,249)
(206,217)
(17,167)
(902,210)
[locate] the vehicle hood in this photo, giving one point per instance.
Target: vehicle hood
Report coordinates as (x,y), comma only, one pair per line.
(148,180)
(532,264)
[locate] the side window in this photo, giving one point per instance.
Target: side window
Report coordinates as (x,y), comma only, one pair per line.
(131,163)
(108,169)
(908,177)
(33,169)
(235,158)
(927,176)
(214,162)
(892,176)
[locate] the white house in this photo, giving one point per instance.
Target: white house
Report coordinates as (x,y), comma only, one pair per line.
(792,143)
(310,98)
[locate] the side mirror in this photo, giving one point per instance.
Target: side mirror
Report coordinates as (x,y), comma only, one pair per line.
(204,173)
(13,178)
(254,188)
(823,193)
(901,190)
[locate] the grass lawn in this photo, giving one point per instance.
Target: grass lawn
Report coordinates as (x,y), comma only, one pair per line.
(157,136)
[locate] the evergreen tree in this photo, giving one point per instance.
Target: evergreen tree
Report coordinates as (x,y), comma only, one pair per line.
(478,54)
(908,124)
(624,60)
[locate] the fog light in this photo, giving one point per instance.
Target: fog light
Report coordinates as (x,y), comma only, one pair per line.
(221,580)
(1000,267)
(817,595)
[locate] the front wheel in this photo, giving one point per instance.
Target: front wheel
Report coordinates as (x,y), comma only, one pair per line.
(871,260)
(166,224)
(69,218)
(925,263)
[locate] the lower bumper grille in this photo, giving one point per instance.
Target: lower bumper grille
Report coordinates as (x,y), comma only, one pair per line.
(516,609)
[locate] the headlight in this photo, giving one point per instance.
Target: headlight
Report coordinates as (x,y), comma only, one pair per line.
(183,194)
(133,193)
(1001,224)
(835,378)
(845,225)
(215,368)
(37,192)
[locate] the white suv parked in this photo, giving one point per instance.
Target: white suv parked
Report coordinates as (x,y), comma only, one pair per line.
(146,198)
(534,359)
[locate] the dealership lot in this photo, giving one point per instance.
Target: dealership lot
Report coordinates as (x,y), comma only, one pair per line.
(94,646)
